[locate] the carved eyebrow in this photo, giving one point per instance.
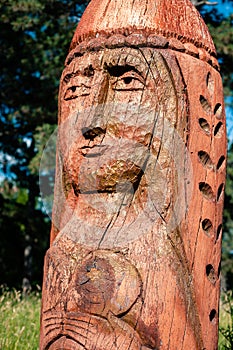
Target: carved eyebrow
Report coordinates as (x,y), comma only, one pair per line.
(87,72)
(119,70)
(68,76)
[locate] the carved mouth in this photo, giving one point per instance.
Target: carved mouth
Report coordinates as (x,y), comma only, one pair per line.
(93,151)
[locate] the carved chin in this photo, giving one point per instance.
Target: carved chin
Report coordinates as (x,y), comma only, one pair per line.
(117,176)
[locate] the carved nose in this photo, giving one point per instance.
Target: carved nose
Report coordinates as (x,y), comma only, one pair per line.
(90,133)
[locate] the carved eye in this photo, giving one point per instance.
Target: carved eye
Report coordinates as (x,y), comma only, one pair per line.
(128,81)
(71,93)
(75,91)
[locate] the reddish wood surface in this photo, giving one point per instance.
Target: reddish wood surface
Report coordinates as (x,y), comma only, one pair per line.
(134,261)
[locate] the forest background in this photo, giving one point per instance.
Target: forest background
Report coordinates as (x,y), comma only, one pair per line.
(34,41)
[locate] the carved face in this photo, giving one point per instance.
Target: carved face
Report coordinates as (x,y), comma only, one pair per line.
(105,93)
(118,113)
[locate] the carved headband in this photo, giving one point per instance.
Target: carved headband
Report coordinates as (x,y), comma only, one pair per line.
(162,24)
(136,40)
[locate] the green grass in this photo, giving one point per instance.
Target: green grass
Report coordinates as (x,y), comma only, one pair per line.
(226,322)
(20,321)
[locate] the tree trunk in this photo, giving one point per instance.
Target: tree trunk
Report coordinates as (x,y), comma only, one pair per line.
(135,250)
(28,239)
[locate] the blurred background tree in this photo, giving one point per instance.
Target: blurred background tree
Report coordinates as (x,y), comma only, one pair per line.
(34,40)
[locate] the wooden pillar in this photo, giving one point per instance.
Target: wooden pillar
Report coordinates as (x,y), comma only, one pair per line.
(134,261)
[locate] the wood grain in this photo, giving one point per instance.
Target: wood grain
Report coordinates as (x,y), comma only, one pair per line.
(134,261)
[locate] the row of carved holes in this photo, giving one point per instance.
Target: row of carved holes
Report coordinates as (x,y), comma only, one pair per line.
(206,190)
(204,156)
(218,132)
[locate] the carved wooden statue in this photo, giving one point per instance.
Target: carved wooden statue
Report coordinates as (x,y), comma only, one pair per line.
(135,250)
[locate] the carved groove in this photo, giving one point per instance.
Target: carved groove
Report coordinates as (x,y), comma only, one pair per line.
(206,190)
(205,104)
(211,274)
(204,125)
(220,162)
(220,191)
(219,231)
(218,111)
(207,226)
(91,133)
(219,269)
(212,315)
(210,83)
(218,131)
(205,159)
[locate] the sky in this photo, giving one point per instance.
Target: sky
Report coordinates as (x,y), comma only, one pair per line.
(225,8)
